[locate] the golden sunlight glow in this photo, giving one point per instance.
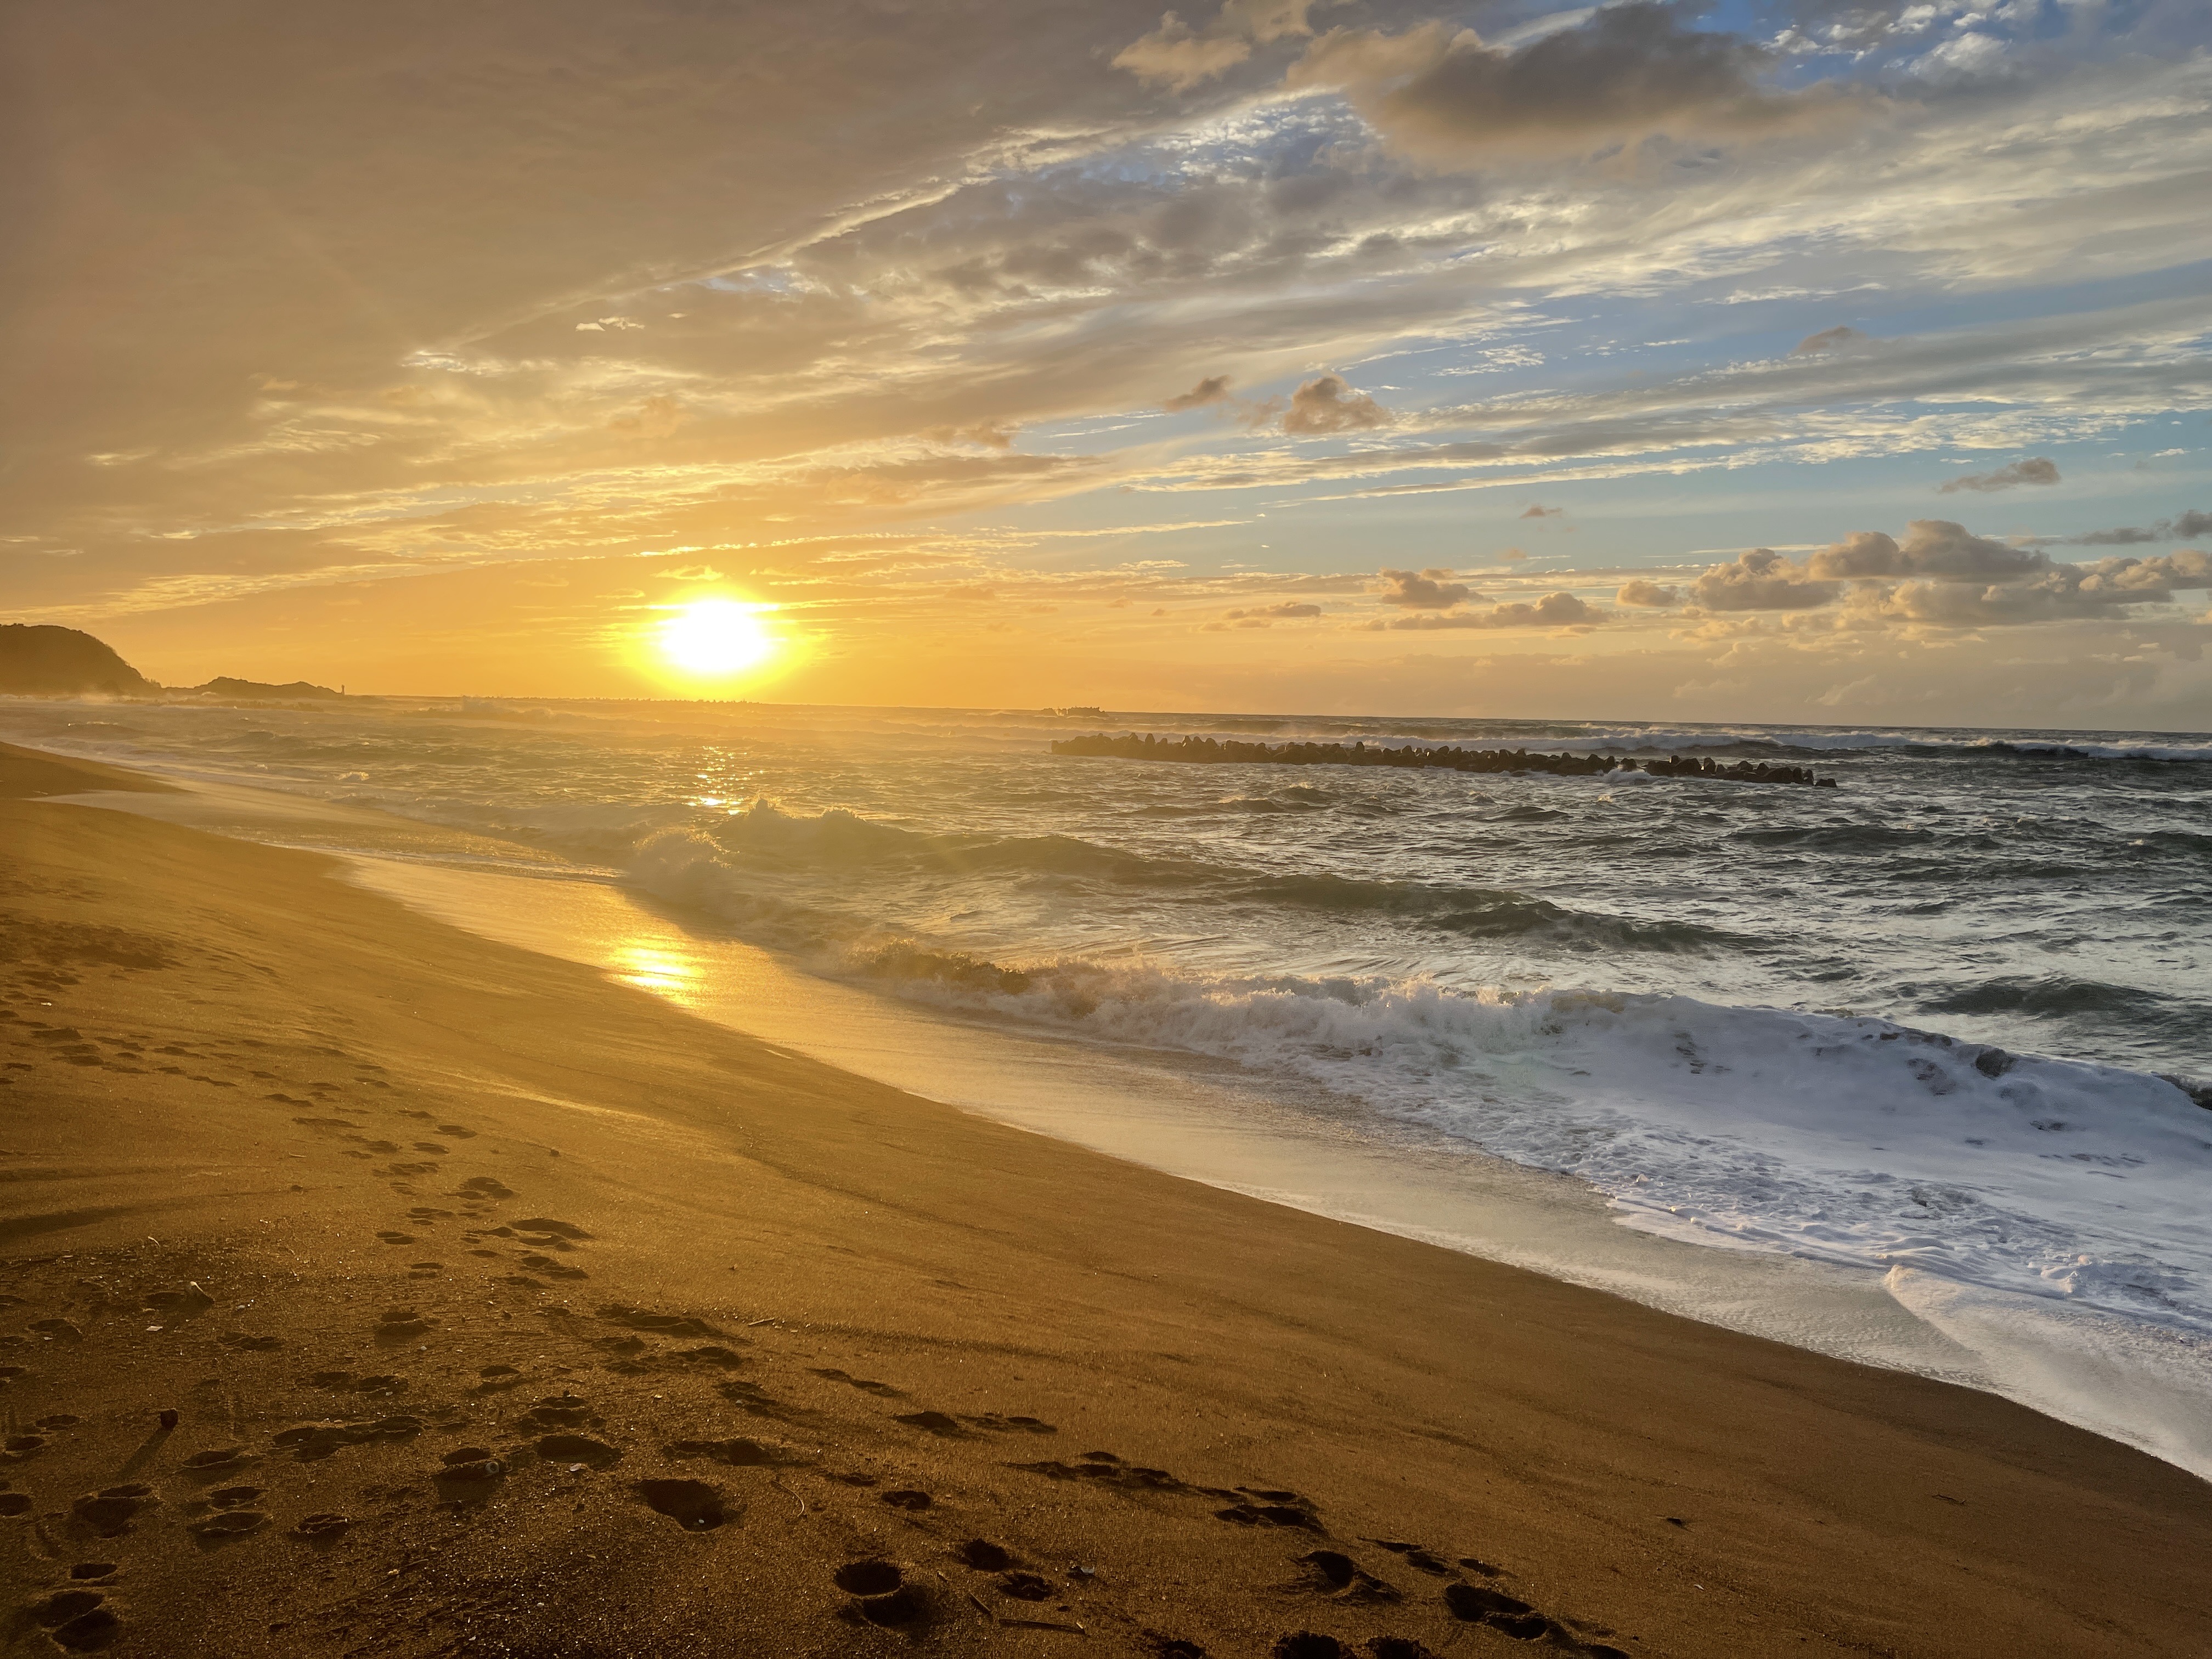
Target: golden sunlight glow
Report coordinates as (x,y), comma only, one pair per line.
(716,637)
(651,968)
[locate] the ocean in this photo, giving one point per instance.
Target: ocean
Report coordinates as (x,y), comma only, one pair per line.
(1941,1028)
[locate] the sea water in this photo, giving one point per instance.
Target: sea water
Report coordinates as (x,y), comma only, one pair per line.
(1941,1028)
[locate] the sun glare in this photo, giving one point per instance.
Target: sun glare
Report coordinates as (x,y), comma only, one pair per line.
(714,638)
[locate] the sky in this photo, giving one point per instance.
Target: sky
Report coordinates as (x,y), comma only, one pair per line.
(1804,363)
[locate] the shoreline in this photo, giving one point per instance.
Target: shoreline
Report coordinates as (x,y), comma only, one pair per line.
(898,1291)
(2142,1384)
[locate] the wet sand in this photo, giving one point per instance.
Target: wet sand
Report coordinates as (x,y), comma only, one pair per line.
(508,1311)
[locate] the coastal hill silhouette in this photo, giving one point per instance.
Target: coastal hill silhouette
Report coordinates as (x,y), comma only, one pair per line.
(42,660)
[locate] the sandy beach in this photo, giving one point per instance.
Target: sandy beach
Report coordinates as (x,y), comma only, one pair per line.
(504,1311)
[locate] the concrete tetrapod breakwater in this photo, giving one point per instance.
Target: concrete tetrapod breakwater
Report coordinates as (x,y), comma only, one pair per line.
(1215,752)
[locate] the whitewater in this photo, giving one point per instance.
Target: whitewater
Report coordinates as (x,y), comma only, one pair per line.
(1941,1027)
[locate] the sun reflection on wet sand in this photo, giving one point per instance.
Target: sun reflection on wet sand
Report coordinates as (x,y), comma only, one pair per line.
(653,967)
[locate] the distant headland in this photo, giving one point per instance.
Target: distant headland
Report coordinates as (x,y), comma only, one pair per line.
(42,660)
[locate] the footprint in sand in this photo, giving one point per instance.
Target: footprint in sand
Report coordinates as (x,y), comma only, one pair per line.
(1510,1616)
(723,1358)
(483,1187)
(310,1443)
(322,1527)
(936,1423)
(862,1383)
(396,1238)
(56,1421)
(402,1324)
(20,1446)
(1268,1515)
(560,1411)
(1417,1557)
(1107,1469)
(1337,1575)
(551,1228)
(91,1572)
(457,1132)
(493,1378)
(999,1425)
(468,1474)
(14,1504)
(111,1511)
(246,1344)
(1501,1612)
(575,1448)
(1399,1647)
(1309,1644)
(880,1592)
(1025,1587)
(739,1453)
(79,1619)
(984,1556)
(692,1505)
(1171,1647)
(233,1498)
(907,1498)
(641,1319)
(752,1398)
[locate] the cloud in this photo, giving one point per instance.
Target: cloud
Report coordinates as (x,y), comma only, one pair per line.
(1288,609)
(1512,555)
(2183,526)
(1178,58)
(1942,575)
(1553,610)
(1627,72)
(2038,471)
(1214,389)
(2062,593)
(1839,338)
(985,435)
(1535,511)
(1761,579)
(1640,591)
(2188,569)
(1327,404)
(1423,590)
(1935,548)
(656,416)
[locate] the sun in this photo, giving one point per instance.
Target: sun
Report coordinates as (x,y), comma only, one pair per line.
(714,638)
